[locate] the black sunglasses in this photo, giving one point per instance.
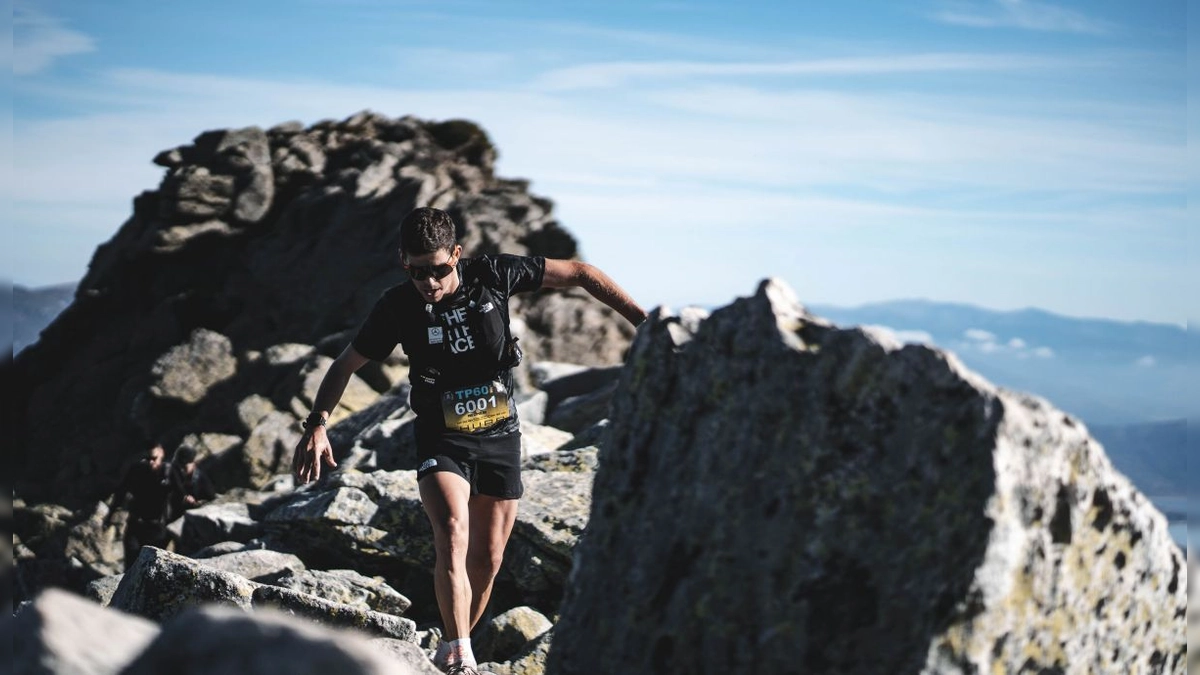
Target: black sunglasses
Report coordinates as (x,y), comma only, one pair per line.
(423,272)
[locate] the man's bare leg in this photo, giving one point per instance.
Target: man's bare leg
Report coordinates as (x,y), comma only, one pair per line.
(492,522)
(445,496)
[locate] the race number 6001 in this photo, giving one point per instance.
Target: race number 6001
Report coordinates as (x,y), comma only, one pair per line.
(474,405)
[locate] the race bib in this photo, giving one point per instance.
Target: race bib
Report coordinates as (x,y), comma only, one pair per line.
(476,407)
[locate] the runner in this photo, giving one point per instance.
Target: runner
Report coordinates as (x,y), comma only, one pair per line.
(451,319)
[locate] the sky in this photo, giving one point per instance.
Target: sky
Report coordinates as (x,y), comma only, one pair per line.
(1001,153)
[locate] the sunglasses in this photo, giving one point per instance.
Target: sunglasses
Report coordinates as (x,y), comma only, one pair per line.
(423,272)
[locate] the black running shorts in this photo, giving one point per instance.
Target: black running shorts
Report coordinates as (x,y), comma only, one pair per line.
(491,465)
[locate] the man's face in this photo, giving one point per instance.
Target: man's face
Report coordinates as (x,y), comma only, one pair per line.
(157,455)
(424,270)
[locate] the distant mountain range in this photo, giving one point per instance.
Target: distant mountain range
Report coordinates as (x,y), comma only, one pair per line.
(1130,382)
(1104,372)
(32,310)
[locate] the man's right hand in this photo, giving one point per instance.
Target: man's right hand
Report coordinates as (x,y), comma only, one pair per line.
(312,450)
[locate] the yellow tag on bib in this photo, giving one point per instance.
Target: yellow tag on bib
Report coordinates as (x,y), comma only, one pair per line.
(476,407)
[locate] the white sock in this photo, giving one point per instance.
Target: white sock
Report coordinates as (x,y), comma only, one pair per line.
(462,647)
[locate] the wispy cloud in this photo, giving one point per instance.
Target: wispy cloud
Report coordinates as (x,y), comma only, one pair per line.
(453,62)
(40,39)
(1023,14)
(828,169)
(619,73)
(1147,362)
(903,336)
(658,40)
(987,342)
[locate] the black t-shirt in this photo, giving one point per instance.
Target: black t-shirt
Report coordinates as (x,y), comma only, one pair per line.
(438,336)
(148,491)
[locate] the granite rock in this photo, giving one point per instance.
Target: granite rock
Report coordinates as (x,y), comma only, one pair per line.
(161,584)
(256,565)
(63,634)
(780,495)
(347,587)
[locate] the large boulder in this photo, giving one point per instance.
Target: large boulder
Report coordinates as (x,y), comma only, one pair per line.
(335,614)
(509,633)
(218,522)
(259,239)
(187,371)
(226,641)
(371,522)
(550,521)
(61,548)
(161,584)
(63,634)
(269,448)
(780,495)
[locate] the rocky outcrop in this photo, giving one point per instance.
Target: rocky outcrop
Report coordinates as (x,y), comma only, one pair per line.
(55,547)
(780,495)
(161,584)
(243,273)
(509,633)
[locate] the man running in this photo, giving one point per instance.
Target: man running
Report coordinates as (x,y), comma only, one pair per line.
(451,319)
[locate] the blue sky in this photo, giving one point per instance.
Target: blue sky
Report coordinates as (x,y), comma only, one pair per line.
(1002,153)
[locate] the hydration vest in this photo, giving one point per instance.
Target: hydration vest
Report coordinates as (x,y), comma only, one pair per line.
(466,341)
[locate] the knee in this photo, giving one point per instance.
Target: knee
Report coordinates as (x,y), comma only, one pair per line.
(485,562)
(450,540)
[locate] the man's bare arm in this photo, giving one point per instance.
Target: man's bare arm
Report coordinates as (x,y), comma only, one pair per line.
(314,448)
(566,273)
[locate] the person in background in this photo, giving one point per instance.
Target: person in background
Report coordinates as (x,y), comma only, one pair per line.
(143,492)
(189,487)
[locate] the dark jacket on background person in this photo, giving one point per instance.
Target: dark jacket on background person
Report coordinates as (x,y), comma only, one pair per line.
(143,491)
(183,485)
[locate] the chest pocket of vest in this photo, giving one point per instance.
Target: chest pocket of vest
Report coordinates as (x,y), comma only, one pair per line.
(466,343)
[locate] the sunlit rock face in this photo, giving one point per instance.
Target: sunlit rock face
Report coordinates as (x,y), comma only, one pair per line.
(781,495)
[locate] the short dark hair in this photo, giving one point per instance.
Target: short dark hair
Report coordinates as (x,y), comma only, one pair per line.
(426,230)
(184,455)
